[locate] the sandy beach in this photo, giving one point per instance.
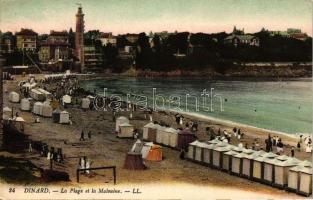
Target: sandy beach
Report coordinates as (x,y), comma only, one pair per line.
(105,149)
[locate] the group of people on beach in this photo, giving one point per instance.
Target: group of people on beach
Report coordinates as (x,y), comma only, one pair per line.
(307,142)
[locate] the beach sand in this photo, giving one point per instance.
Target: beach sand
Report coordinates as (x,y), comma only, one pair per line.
(105,149)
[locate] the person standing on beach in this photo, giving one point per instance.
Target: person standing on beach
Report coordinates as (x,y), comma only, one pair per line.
(177,119)
(270,143)
(182,154)
(298,146)
(89,135)
(82,136)
(292,152)
(30,148)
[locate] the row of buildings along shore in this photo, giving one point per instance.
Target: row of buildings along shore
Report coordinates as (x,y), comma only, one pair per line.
(59,47)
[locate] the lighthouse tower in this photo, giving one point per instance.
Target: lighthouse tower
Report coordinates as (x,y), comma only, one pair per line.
(79,37)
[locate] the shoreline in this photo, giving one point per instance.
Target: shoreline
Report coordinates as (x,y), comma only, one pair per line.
(238,124)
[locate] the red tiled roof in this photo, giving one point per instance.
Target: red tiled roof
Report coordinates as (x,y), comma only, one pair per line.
(27,32)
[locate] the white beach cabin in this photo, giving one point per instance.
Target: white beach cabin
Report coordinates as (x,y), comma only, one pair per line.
(47,94)
(300,178)
(207,154)
(145,130)
(126,130)
(159,134)
(37,108)
(281,171)
(85,103)
(192,150)
(166,138)
(64,117)
(247,163)
(120,120)
(217,155)
(227,160)
(25,104)
(46,109)
(14,97)
(37,95)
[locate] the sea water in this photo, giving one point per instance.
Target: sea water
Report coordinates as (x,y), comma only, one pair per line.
(284,106)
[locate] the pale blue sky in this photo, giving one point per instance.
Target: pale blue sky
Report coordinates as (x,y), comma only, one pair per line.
(121,16)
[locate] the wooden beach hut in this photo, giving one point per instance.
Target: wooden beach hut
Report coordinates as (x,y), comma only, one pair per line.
(173,138)
(217,155)
(120,120)
(258,167)
(159,134)
(14,97)
(247,163)
(134,161)
(184,138)
(200,147)
(146,129)
(207,154)
(300,178)
(46,109)
(64,117)
(227,160)
(126,130)
(152,133)
(166,138)
(236,163)
(37,95)
(281,169)
(66,99)
(47,94)
(192,150)
(85,103)
(37,108)
(25,104)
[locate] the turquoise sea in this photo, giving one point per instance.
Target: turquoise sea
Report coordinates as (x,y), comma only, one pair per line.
(284,106)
